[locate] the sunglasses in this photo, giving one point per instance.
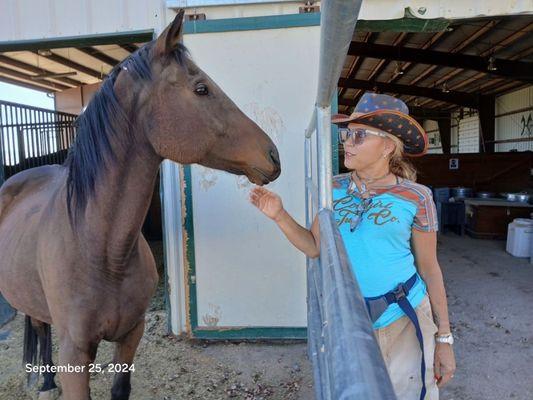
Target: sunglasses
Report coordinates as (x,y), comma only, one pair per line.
(355,136)
(362,207)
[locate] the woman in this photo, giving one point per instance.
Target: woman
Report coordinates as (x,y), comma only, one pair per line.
(388,224)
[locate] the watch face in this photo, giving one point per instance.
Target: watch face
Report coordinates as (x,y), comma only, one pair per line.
(445,339)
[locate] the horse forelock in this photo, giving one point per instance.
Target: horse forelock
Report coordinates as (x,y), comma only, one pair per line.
(103,120)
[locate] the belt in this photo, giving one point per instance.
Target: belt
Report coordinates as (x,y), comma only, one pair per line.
(377,305)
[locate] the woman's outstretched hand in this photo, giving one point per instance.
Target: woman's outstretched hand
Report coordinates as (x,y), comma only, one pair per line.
(269,203)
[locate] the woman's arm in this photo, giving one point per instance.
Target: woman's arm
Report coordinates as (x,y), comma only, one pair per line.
(270,204)
(425,250)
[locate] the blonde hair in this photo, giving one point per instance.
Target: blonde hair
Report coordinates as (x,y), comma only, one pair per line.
(398,163)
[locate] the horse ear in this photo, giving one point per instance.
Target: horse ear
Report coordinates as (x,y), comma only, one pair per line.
(170,38)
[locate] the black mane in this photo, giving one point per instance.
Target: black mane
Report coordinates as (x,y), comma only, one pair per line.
(103,119)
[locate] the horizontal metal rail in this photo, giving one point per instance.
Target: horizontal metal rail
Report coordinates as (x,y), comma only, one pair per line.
(347,361)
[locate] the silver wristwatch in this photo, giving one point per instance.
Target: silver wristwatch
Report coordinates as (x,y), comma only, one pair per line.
(448,338)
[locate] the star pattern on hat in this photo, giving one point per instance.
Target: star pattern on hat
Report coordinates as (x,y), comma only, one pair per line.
(391,115)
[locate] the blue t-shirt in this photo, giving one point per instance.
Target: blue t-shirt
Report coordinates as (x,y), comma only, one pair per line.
(379,248)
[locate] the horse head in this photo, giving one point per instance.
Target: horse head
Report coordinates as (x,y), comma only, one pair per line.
(189,119)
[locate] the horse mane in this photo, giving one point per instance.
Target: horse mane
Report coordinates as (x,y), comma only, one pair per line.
(104,119)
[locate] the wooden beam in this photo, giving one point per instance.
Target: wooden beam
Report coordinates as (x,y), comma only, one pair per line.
(370,37)
(429,113)
(74,65)
(459,47)
(510,87)
(27,78)
(434,40)
(486,88)
(129,47)
(26,85)
(35,70)
(504,43)
(518,70)
(459,98)
(382,64)
(95,53)
(398,41)
(78,41)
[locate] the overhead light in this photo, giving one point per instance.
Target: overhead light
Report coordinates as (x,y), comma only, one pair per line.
(44,52)
(398,70)
(491,66)
(445,88)
(52,75)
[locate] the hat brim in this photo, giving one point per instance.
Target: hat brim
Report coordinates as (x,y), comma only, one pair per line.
(341,119)
(396,123)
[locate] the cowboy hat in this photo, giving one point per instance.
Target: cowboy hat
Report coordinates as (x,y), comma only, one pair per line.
(389,115)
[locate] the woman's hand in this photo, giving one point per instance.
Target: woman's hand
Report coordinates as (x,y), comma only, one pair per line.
(444,363)
(269,203)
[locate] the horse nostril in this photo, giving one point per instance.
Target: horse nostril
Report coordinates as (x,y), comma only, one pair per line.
(275,157)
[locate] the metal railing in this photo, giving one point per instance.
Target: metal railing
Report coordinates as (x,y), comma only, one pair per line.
(32,136)
(347,361)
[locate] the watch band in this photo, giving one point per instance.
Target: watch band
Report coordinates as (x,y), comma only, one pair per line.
(444,338)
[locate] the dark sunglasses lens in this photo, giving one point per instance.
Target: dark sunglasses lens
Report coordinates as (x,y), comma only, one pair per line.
(359,135)
(353,136)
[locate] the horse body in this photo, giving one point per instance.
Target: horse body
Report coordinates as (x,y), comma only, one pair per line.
(25,199)
(33,212)
(72,252)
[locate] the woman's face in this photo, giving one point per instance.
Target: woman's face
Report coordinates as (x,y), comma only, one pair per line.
(367,153)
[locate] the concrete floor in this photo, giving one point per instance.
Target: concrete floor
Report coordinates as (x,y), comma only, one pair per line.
(490,294)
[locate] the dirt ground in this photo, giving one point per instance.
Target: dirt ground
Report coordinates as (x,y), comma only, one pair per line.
(490,296)
(169,368)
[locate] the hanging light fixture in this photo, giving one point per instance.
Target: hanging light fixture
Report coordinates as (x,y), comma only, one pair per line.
(44,52)
(398,70)
(492,66)
(445,88)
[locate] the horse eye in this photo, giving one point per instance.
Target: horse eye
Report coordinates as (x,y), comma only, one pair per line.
(201,89)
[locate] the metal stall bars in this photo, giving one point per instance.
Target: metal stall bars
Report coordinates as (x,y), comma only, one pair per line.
(32,136)
(347,362)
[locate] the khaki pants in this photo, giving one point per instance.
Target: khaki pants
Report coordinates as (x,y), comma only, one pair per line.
(401,352)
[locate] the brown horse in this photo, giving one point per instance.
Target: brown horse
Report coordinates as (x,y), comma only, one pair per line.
(70,235)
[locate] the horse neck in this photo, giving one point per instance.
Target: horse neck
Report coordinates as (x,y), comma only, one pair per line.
(114,216)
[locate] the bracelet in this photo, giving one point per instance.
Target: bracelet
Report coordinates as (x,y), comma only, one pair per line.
(447,338)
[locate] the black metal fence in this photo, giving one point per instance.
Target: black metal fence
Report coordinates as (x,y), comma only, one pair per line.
(32,136)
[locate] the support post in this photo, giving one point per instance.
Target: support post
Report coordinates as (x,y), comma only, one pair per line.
(487,105)
(445,132)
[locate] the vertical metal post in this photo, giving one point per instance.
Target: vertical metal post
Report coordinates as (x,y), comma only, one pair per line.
(3,147)
(171,208)
(325,175)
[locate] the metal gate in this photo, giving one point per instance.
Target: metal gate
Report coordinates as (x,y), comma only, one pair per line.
(32,136)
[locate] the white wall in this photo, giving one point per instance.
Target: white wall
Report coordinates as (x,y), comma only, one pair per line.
(516,121)
(37,19)
(432,129)
(247,273)
(468,134)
